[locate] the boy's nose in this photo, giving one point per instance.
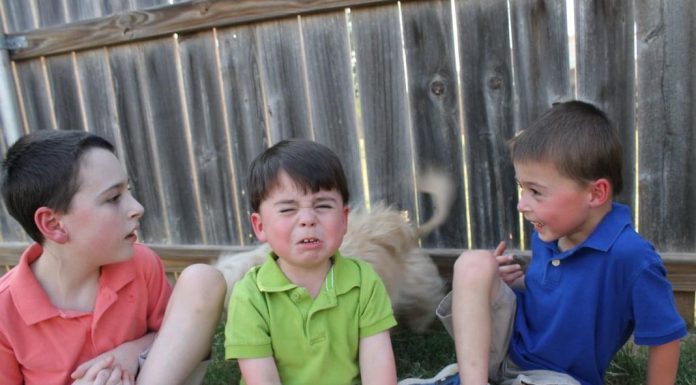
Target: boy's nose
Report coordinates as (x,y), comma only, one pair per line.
(137,210)
(307,217)
(522,205)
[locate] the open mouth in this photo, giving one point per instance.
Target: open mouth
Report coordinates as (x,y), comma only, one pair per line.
(309,241)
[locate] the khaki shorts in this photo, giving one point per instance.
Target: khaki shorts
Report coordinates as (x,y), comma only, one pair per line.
(501,369)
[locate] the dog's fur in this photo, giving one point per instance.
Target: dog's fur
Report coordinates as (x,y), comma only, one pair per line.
(383,238)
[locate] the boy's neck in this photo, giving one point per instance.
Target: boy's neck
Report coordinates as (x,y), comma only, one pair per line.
(595,216)
(68,285)
(312,279)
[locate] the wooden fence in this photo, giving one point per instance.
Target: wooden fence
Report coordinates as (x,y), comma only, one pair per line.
(190,92)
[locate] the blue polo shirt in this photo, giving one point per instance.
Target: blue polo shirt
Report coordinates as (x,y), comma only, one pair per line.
(580,306)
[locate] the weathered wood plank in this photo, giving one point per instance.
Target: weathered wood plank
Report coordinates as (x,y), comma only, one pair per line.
(16,16)
(384,110)
(64,92)
(204,109)
(666,120)
(134,114)
(605,71)
(283,77)
(540,57)
(486,70)
(49,13)
(34,100)
(330,92)
(166,20)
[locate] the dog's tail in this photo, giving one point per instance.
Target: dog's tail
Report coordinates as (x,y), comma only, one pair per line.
(439,185)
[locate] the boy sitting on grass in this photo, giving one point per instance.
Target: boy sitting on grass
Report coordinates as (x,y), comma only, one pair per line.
(307,315)
(86,302)
(592,281)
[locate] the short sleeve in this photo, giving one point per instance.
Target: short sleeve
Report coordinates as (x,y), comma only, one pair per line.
(10,373)
(376,314)
(656,319)
(158,287)
(247,332)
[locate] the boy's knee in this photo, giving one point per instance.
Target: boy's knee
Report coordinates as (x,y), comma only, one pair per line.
(203,279)
(475,266)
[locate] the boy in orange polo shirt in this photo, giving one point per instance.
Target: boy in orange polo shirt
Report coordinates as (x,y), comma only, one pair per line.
(86,303)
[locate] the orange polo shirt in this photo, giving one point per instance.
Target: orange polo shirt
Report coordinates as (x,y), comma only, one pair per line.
(41,344)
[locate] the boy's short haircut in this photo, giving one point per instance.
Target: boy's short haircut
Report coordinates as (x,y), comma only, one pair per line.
(312,166)
(578,139)
(41,169)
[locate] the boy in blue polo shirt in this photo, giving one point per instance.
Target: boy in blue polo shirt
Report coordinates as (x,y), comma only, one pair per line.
(307,315)
(592,281)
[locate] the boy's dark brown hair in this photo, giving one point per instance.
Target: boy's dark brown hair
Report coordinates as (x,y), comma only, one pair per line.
(578,139)
(42,169)
(312,166)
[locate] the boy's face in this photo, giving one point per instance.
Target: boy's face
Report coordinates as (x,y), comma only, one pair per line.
(557,206)
(303,229)
(103,215)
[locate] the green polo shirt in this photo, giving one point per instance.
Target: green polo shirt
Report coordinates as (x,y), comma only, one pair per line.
(313,341)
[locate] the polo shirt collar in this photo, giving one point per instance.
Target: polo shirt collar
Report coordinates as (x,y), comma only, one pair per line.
(33,303)
(270,277)
(605,234)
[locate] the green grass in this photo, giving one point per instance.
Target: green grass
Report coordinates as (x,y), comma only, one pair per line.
(423,355)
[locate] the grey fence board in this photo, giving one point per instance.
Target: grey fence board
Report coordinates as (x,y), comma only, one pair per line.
(541,62)
(141,159)
(16,16)
(331,93)
(383,110)
(666,122)
(49,13)
(64,92)
(35,98)
(605,71)
(487,83)
(283,78)
(207,130)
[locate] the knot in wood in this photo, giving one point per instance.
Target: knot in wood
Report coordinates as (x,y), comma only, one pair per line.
(437,87)
(495,82)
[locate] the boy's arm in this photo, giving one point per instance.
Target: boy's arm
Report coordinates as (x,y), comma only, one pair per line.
(125,356)
(663,361)
(259,371)
(377,366)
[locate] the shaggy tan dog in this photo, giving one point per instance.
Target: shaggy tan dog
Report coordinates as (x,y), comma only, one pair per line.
(386,240)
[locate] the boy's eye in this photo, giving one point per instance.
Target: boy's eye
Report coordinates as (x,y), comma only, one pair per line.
(324,206)
(286,210)
(114,198)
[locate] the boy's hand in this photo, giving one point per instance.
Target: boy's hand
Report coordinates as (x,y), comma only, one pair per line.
(103,371)
(124,356)
(509,267)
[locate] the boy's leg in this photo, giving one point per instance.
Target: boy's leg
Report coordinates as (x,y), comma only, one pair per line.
(184,340)
(475,287)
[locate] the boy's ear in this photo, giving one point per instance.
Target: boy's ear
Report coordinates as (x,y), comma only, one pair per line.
(600,191)
(346,212)
(257,225)
(50,226)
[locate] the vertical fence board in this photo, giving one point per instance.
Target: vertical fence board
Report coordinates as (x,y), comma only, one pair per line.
(49,13)
(10,230)
(64,92)
(433,100)
(488,117)
(384,106)
(169,141)
(331,93)
(540,56)
(35,103)
(98,99)
(17,16)
(244,103)
(666,120)
(605,71)
(134,114)
(283,79)
(204,103)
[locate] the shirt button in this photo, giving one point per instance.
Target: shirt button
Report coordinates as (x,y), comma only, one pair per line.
(556,262)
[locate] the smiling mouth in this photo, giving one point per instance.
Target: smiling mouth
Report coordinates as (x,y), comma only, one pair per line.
(308,241)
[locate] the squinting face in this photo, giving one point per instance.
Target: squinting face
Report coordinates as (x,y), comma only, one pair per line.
(303,228)
(103,216)
(557,206)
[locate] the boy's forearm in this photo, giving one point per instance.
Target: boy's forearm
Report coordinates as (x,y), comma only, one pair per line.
(663,361)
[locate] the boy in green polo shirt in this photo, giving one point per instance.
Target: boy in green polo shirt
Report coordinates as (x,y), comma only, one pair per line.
(307,315)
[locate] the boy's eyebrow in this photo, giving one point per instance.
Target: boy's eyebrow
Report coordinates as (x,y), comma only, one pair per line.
(116,186)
